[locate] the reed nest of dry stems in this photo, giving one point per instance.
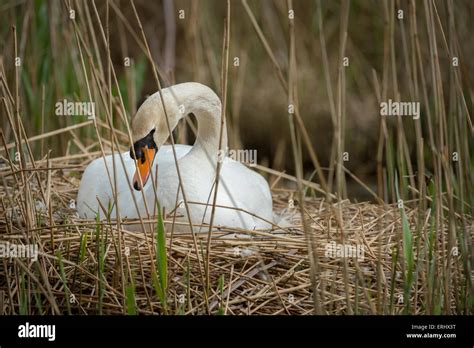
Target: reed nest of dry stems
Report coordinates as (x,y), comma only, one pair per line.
(90,267)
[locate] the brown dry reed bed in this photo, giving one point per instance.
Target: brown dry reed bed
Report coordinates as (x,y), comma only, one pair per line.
(89,267)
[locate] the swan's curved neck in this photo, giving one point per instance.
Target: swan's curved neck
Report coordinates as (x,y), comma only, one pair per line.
(205,105)
(181,100)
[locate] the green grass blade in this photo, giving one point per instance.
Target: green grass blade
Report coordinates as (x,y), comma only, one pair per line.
(130,299)
(407,248)
(161,258)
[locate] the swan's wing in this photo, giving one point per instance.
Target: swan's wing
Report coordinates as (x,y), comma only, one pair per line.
(247,190)
(96,186)
(165,153)
(96,183)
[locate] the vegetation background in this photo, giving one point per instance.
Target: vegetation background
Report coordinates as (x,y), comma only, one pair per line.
(189,49)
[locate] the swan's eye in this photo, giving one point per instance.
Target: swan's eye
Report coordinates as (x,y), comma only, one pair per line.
(138,152)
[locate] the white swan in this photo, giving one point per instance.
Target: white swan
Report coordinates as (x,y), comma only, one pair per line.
(239,187)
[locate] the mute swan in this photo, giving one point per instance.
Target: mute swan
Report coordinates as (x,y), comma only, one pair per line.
(239,187)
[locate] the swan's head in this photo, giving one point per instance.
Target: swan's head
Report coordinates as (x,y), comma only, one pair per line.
(150,129)
(149,132)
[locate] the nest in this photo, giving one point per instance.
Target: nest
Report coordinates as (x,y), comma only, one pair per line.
(348,259)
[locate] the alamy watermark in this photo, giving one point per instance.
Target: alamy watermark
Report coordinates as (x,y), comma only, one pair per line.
(395,108)
(28,251)
(28,330)
(69,108)
(334,250)
(242,155)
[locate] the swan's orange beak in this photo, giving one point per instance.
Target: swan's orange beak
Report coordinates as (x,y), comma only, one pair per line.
(143,168)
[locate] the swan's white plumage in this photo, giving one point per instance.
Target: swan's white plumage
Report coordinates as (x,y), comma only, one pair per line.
(239,187)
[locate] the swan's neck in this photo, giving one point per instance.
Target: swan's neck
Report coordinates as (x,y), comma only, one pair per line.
(205,105)
(207,139)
